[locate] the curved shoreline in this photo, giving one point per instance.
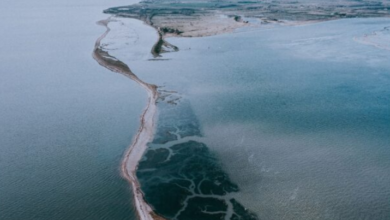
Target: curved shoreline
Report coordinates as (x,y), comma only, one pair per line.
(145,133)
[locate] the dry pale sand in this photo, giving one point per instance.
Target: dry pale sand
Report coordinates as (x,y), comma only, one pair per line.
(145,133)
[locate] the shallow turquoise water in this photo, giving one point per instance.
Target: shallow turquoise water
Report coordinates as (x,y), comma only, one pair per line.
(64,120)
(299,116)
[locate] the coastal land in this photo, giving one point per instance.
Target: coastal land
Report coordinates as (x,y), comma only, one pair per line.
(204,18)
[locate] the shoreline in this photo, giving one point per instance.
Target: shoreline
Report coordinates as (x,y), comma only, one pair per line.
(145,132)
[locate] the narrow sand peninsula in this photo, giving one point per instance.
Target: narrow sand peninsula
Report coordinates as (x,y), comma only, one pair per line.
(145,132)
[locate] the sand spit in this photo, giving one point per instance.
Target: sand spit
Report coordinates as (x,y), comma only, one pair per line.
(145,132)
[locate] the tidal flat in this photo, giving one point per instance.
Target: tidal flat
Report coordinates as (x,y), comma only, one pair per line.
(295,117)
(181,177)
(290,109)
(191,18)
(178,177)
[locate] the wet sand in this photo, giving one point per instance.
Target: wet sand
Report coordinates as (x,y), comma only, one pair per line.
(145,132)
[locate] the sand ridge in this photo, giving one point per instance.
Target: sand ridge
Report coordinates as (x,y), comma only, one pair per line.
(145,133)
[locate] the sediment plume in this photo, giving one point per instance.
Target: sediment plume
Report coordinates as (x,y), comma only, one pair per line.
(145,133)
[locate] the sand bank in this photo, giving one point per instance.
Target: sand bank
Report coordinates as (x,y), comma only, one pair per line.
(145,133)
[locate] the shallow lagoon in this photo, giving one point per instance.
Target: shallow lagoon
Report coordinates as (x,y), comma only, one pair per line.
(299,116)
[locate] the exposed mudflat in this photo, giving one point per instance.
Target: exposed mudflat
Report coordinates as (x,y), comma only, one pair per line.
(180,177)
(205,18)
(202,18)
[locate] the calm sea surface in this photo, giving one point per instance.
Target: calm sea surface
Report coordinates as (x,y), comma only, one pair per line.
(64,120)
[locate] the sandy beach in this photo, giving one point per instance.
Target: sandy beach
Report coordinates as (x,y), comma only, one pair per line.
(145,133)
